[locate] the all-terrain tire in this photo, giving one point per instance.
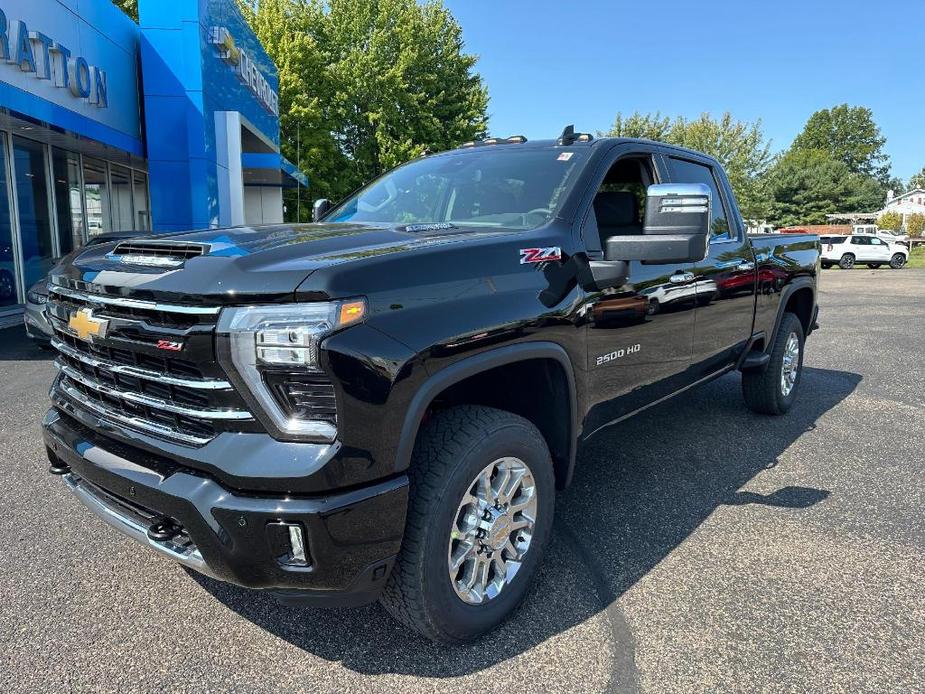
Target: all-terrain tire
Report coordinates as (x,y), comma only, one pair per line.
(451,450)
(764,389)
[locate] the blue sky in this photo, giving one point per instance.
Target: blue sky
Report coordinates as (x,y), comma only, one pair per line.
(549,63)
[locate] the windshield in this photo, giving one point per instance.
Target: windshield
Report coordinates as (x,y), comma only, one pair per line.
(492,187)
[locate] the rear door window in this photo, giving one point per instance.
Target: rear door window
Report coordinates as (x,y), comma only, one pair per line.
(685,171)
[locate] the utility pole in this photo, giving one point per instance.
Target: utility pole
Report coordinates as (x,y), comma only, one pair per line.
(298,184)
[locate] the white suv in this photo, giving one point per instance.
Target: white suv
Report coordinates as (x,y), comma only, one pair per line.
(862,249)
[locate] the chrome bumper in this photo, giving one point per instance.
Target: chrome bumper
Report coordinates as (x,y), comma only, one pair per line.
(134,525)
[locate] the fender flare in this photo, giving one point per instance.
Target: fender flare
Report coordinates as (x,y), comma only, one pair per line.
(475,364)
(797,284)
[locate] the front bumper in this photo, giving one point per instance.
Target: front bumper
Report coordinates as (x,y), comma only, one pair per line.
(37,326)
(351,537)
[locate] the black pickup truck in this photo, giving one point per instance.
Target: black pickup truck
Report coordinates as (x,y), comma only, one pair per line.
(383,403)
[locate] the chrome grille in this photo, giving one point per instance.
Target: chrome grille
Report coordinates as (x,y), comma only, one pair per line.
(123,376)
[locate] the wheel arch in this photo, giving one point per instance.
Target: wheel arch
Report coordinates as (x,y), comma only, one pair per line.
(799,298)
(536,368)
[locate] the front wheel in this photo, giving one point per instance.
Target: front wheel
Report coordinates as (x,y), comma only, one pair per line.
(479,517)
(846,262)
(773,390)
(897,261)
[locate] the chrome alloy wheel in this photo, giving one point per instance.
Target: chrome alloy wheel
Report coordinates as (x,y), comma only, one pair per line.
(492,530)
(791,365)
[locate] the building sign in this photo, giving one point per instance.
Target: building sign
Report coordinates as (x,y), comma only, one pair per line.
(245,68)
(36,53)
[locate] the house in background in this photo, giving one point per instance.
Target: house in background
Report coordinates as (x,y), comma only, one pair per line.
(912,202)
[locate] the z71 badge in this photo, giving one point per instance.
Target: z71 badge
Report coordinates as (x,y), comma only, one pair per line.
(540,255)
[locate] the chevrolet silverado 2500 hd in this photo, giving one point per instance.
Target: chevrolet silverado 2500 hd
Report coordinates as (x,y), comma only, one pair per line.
(383,403)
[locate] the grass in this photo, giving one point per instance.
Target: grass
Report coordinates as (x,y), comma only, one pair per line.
(917,257)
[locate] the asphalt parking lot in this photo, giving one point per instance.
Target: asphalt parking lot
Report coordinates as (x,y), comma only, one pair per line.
(700,548)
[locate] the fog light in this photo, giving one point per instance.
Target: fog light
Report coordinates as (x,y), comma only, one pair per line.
(288,543)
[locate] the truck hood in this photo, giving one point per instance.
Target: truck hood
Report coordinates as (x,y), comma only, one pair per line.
(248,264)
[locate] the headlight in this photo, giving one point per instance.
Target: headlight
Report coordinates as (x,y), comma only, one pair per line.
(275,350)
(36,298)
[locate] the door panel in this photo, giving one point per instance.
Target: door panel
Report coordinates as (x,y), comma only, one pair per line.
(725,305)
(725,279)
(880,249)
(639,340)
(638,335)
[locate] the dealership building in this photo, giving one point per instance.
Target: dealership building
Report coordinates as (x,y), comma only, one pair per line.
(108,125)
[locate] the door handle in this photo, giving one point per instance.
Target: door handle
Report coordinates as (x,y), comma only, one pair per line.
(681,278)
(747,266)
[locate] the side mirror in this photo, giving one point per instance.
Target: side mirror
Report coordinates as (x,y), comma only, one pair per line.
(677,227)
(321,207)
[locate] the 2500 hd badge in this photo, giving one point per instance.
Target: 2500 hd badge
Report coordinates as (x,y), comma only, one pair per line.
(381,405)
(618,354)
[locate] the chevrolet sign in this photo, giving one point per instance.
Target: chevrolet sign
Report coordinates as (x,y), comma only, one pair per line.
(244,67)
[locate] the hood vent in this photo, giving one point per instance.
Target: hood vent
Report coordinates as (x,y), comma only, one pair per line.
(156,253)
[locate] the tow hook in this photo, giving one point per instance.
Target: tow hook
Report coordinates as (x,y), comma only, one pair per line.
(163,529)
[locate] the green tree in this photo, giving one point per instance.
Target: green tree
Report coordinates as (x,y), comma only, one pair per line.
(130,7)
(647,126)
(917,180)
(890,220)
(849,135)
(808,184)
(915,224)
(739,146)
(368,84)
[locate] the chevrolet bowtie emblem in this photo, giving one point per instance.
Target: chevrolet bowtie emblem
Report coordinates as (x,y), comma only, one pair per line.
(86,326)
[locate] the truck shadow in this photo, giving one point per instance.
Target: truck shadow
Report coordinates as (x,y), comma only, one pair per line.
(16,346)
(640,489)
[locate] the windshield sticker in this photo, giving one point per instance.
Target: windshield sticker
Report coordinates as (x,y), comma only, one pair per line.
(565,156)
(540,255)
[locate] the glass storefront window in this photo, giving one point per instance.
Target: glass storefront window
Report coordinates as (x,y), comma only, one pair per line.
(68,200)
(96,193)
(122,217)
(33,205)
(142,211)
(7,258)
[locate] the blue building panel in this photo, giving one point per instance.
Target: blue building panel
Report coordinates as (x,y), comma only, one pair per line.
(97,39)
(79,75)
(172,62)
(199,58)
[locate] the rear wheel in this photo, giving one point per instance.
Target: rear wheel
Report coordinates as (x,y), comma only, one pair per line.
(772,390)
(897,261)
(846,262)
(479,517)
